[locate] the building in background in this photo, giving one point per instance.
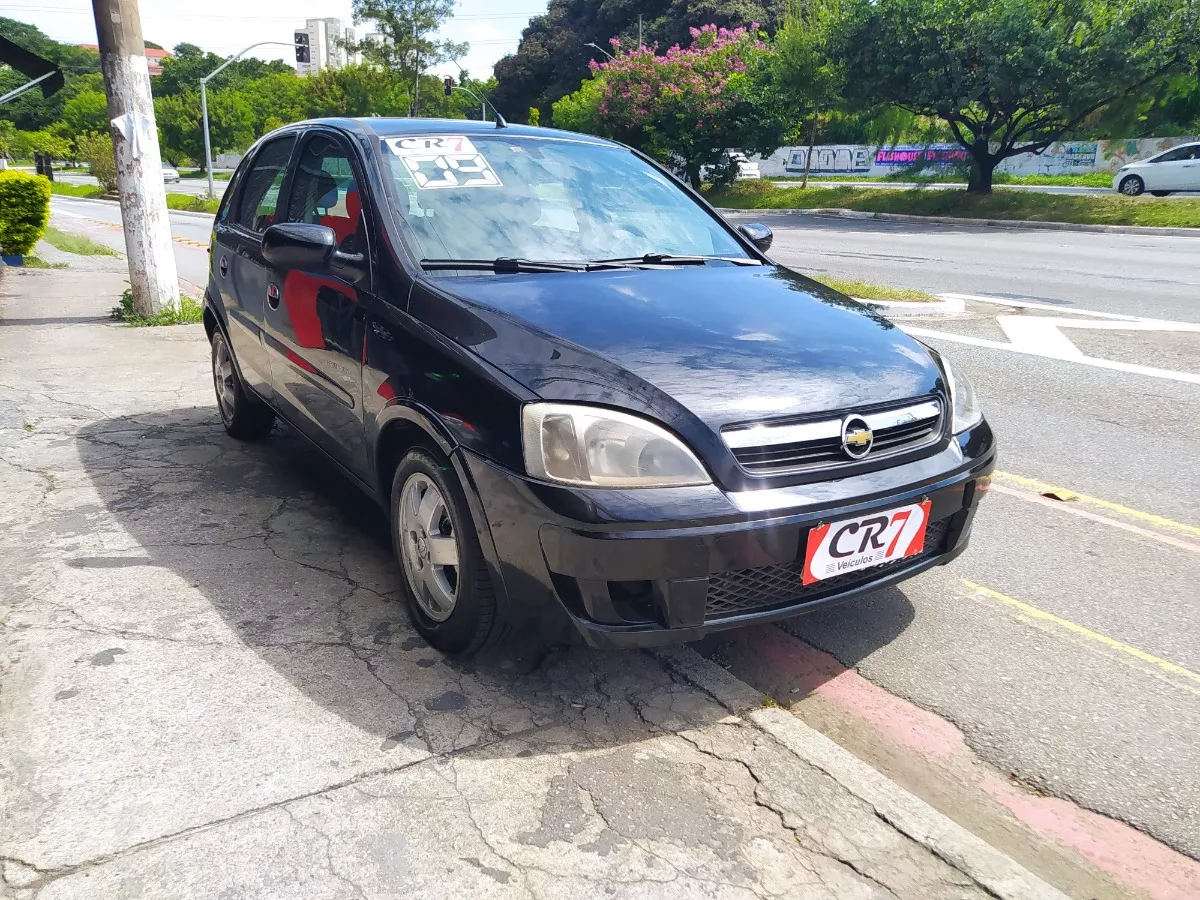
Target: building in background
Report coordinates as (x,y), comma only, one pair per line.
(327,40)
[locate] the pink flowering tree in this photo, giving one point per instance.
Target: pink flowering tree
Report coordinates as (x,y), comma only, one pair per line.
(690,106)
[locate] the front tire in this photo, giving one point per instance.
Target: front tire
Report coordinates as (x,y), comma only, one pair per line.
(1160,193)
(244,416)
(447,584)
(1132,186)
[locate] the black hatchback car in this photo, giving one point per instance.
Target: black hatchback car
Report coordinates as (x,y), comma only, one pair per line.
(575,388)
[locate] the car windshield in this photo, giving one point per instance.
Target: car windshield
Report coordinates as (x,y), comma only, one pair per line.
(490,197)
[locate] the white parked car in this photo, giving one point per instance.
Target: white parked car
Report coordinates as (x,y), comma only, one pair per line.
(1177,169)
(746,168)
(170,174)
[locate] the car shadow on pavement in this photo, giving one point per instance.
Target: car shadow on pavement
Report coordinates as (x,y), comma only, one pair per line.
(258,553)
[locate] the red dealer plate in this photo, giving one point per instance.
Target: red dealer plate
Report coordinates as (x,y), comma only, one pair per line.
(836,548)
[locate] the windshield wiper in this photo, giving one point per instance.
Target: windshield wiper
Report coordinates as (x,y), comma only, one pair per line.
(503,265)
(669,259)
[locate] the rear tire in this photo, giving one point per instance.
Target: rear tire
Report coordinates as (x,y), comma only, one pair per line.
(1132,186)
(1160,193)
(244,416)
(447,585)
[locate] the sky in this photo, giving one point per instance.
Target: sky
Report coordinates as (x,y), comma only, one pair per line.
(492,27)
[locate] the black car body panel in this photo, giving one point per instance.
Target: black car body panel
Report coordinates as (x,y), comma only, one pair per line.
(452,357)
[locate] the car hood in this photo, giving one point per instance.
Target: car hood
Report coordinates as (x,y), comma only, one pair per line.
(729,343)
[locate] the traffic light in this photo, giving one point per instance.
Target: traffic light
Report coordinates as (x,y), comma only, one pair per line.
(302,46)
(449,85)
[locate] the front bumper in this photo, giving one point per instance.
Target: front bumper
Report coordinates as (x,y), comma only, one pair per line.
(646,567)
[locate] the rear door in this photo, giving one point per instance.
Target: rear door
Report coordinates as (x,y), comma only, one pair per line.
(238,263)
(315,320)
(1190,179)
(1170,171)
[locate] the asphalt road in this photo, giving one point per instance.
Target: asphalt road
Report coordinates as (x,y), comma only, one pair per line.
(101,221)
(1064,642)
(1144,275)
(1066,704)
(195,186)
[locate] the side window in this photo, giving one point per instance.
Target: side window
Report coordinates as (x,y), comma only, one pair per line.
(260,194)
(325,192)
(1176,155)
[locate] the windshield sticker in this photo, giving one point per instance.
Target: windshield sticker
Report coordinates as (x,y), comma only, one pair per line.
(447,161)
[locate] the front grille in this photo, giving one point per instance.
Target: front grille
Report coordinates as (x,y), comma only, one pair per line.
(782,448)
(732,593)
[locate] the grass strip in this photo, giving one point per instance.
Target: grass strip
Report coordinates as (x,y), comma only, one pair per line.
(76,243)
(193,203)
(87,191)
(36,262)
(1019,206)
(188,202)
(1087,179)
(865,290)
(189,312)
(199,173)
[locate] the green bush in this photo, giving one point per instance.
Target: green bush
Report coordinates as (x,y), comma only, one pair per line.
(24,211)
(97,149)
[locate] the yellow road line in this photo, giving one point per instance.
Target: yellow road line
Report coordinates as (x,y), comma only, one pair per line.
(1059,506)
(1111,643)
(1041,487)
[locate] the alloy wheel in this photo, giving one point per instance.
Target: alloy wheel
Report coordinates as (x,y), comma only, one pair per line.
(429,546)
(223,379)
(1132,186)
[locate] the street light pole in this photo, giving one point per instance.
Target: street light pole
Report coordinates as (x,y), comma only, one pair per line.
(601,49)
(204,101)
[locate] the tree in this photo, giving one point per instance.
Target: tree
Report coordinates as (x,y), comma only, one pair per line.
(808,70)
(407,29)
(179,127)
(31,111)
(362,90)
(552,58)
(580,111)
(96,148)
(690,107)
(183,70)
(86,111)
(9,141)
(47,142)
(1012,76)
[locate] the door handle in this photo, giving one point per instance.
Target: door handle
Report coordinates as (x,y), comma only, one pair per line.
(380,331)
(273,295)
(224,265)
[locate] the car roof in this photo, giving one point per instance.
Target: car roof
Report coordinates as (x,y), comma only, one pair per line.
(398,127)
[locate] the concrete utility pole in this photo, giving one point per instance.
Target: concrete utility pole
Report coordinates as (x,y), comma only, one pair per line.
(152,274)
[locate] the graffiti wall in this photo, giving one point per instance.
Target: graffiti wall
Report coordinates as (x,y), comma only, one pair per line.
(1061,158)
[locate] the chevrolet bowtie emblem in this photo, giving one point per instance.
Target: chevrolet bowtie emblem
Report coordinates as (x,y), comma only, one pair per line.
(859,437)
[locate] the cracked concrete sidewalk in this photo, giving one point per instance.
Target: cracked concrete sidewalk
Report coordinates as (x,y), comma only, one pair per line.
(209,687)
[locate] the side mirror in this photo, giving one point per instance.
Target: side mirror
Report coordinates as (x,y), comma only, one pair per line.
(294,245)
(313,248)
(758,234)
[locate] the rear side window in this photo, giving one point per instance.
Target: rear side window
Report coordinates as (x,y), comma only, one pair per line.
(258,207)
(1179,154)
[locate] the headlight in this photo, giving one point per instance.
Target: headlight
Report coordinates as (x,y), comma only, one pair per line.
(596,447)
(962,397)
